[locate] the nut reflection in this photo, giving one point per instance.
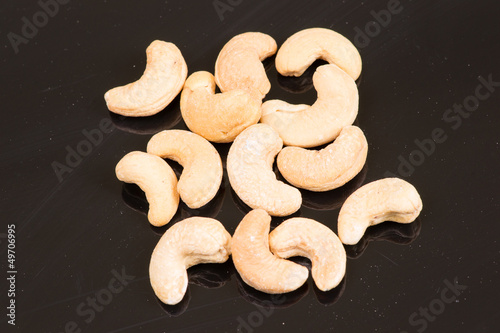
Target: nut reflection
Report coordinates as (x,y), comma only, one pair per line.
(177,309)
(135,198)
(301,84)
(268,63)
(277,301)
(333,199)
(393,232)
(330,297)
(211,275)
(163,120)
(204,275)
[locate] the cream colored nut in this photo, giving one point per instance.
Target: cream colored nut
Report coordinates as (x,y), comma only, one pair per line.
(255,263)
(162,80)
(308,238)
(202,174)
(249,168)
(388,199)
(309,126)
(239,64)
(216,117)
(157,179)
(328,168)
(301,49)
(192,241)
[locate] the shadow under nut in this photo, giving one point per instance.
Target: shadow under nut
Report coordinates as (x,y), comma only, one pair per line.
(239,64)
(308,238)
(216,117)
(202,174)
(310,126)
(301,49)
(328,168)
(158,181)
(192,241)
(163,78)
(255,263)
(388,199)
(249,168)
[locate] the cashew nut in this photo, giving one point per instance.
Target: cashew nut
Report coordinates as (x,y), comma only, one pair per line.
(301,49)
(255,263)
(328,168)
(135,199)
(239,65)
(202,175)
(309,126)
(388,199)
(216,117)
(163,78)
(167,119)
(308,238)
(192,241)
(249,168)
(157,179)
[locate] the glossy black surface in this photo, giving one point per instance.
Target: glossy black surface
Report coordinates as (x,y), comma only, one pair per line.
(75,234)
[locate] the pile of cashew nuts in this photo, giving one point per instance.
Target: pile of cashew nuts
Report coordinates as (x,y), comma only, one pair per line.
(258,130)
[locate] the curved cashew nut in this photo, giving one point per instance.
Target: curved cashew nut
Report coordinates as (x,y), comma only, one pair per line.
(192,241)
(301,49)
(202,175)
(388,199)
(308,238)
(216,117)
(257,266)
(309,126)
(239,65)
(165,73)
(249,168)
(156,178)
(328,168)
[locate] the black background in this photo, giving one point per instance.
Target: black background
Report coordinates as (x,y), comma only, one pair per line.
(72,234)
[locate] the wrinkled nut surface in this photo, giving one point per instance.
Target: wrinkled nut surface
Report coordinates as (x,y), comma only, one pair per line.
(301,49)
(202,174)
(192,241)
(309,126)
(255,263)
(216,117)
(308,238)
(388,199)
(328,168)
(250,171)
(239,64)
(158,181)
(165,73)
